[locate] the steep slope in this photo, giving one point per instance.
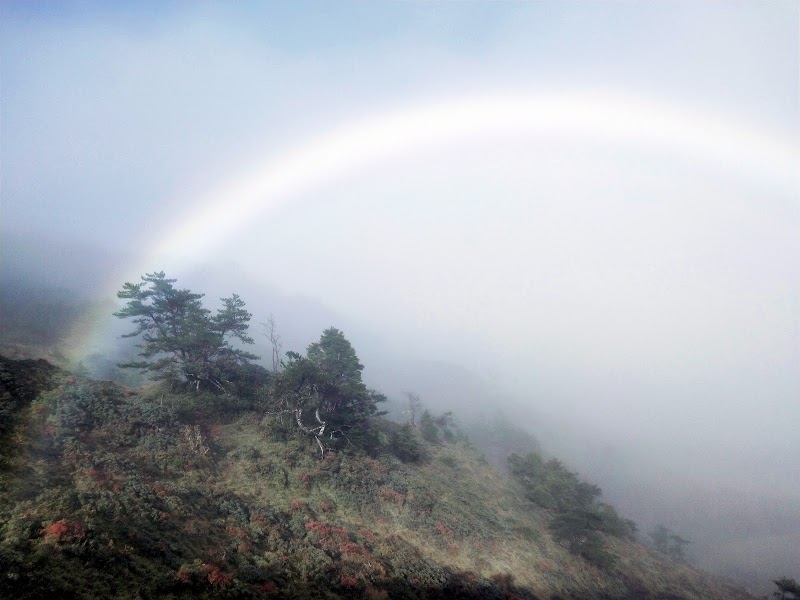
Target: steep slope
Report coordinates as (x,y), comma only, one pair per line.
(118,493)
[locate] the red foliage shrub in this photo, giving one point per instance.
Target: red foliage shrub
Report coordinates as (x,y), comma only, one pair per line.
(161,490)
(471,577)
(368,535)
(391,495)
(297,505)
(322,528)
(442,529)
(342,534)
(348,582)
(304,478)
(352,548)
(268,588)
(64,531)
(237,532)
(260,520)
(326,506)
(215,575)
(184,575)
(104,480)
(377,466)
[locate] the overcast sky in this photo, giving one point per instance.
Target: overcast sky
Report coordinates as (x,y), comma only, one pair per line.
(642,287)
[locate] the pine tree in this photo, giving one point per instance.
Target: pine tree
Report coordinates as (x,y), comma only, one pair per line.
(180,339)
(660,536)
(668,542)
(325,392)
(427,427)
(677,547)
(788,589)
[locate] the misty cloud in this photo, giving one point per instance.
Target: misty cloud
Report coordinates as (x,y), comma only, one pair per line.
(634,299)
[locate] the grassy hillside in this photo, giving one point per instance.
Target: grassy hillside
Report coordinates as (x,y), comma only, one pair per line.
(118,492)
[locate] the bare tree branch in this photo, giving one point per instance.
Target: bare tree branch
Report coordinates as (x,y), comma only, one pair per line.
(413,404)
(271,331)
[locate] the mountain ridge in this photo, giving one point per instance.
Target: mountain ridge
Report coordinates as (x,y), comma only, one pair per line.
(112,491)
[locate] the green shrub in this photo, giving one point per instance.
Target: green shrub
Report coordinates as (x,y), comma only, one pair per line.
(580,518)
(427,427)
(579,528)
(541,496)
(788,589)
(82,405)
(405,444)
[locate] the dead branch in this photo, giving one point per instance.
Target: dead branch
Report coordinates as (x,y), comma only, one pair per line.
(317,432)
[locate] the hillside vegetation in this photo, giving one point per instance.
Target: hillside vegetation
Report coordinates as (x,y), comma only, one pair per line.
(116,492)
(223,479)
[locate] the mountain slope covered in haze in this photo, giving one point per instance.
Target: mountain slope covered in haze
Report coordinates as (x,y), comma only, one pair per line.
(110,491)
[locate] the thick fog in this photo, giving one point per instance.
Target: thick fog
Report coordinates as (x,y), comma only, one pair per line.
(584,215)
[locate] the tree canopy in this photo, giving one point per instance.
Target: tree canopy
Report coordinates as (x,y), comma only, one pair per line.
(668,542)
(325,393)
(580,518)
(180,339)
(788,589)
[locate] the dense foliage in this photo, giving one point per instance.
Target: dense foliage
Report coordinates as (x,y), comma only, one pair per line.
(324,395)
(434,429)
(668,542)
(111,492)
(176,490)
(580,519)
(20,383)
(788,589)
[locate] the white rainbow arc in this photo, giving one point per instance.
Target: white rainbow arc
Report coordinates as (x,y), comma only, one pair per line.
(576,116)
(580,116)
